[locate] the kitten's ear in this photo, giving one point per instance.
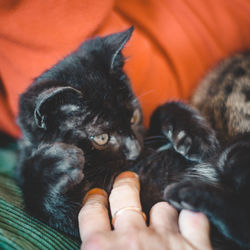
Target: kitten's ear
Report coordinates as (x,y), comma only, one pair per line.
(50,100)
(117,42)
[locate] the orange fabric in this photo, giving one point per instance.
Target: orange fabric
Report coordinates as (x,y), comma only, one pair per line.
(174,43)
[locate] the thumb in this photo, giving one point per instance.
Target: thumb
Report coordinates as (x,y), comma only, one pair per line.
(195,228)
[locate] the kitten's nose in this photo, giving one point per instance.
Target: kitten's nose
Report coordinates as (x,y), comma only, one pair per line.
(132,149)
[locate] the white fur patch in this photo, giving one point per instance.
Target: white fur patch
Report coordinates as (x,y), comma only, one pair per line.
(181,135)
(205,171)
(68,108)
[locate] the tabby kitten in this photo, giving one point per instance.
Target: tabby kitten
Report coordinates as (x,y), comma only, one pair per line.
(223,97)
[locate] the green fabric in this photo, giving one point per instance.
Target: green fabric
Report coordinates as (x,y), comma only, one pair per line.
(19,230)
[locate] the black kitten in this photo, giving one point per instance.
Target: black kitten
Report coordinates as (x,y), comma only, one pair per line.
(81,125)
(219,185)
(199,175)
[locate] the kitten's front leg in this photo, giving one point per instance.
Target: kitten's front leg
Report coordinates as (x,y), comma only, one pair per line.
(220,189)
(53,185)
(225,211)
(189,134)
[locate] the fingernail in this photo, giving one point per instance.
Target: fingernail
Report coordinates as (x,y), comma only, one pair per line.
(126,174)
(94,191)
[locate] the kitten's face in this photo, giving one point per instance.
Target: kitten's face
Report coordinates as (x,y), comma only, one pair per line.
(121,137)
(113,131)
(95,107)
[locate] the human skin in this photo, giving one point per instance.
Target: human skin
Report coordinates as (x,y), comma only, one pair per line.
(166,230)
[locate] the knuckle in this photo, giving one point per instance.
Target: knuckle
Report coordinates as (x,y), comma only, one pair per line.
(94,241)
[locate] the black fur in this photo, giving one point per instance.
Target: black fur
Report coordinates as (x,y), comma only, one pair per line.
(86,95)
(217,185)
(59,115)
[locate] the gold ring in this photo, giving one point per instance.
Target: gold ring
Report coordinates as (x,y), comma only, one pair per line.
(130,208)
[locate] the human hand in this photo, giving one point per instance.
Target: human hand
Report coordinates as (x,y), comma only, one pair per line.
(166,229)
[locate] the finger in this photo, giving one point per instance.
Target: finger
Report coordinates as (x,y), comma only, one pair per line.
(93,217)
(195,228)
(126,194)
(164,218)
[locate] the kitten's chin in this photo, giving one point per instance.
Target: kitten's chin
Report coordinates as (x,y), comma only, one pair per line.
(132,156)
(132,150)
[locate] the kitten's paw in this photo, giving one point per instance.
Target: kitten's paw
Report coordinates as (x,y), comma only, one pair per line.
(187,195)
(188,132)
(180,140)
(65,165)
(223,209)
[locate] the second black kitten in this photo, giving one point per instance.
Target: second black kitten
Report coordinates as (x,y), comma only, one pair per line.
(201,175)
(219,185)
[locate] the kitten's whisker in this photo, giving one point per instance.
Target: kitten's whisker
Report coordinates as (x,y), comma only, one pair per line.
(154,141)
(145,93)
(164,147)
(150,157)
(105,178)
(155,137)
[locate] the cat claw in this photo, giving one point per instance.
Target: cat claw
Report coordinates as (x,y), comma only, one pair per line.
(188,133)
(181,142)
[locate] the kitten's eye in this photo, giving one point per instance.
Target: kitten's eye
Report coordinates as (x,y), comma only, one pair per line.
(100,140)
(135,118)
